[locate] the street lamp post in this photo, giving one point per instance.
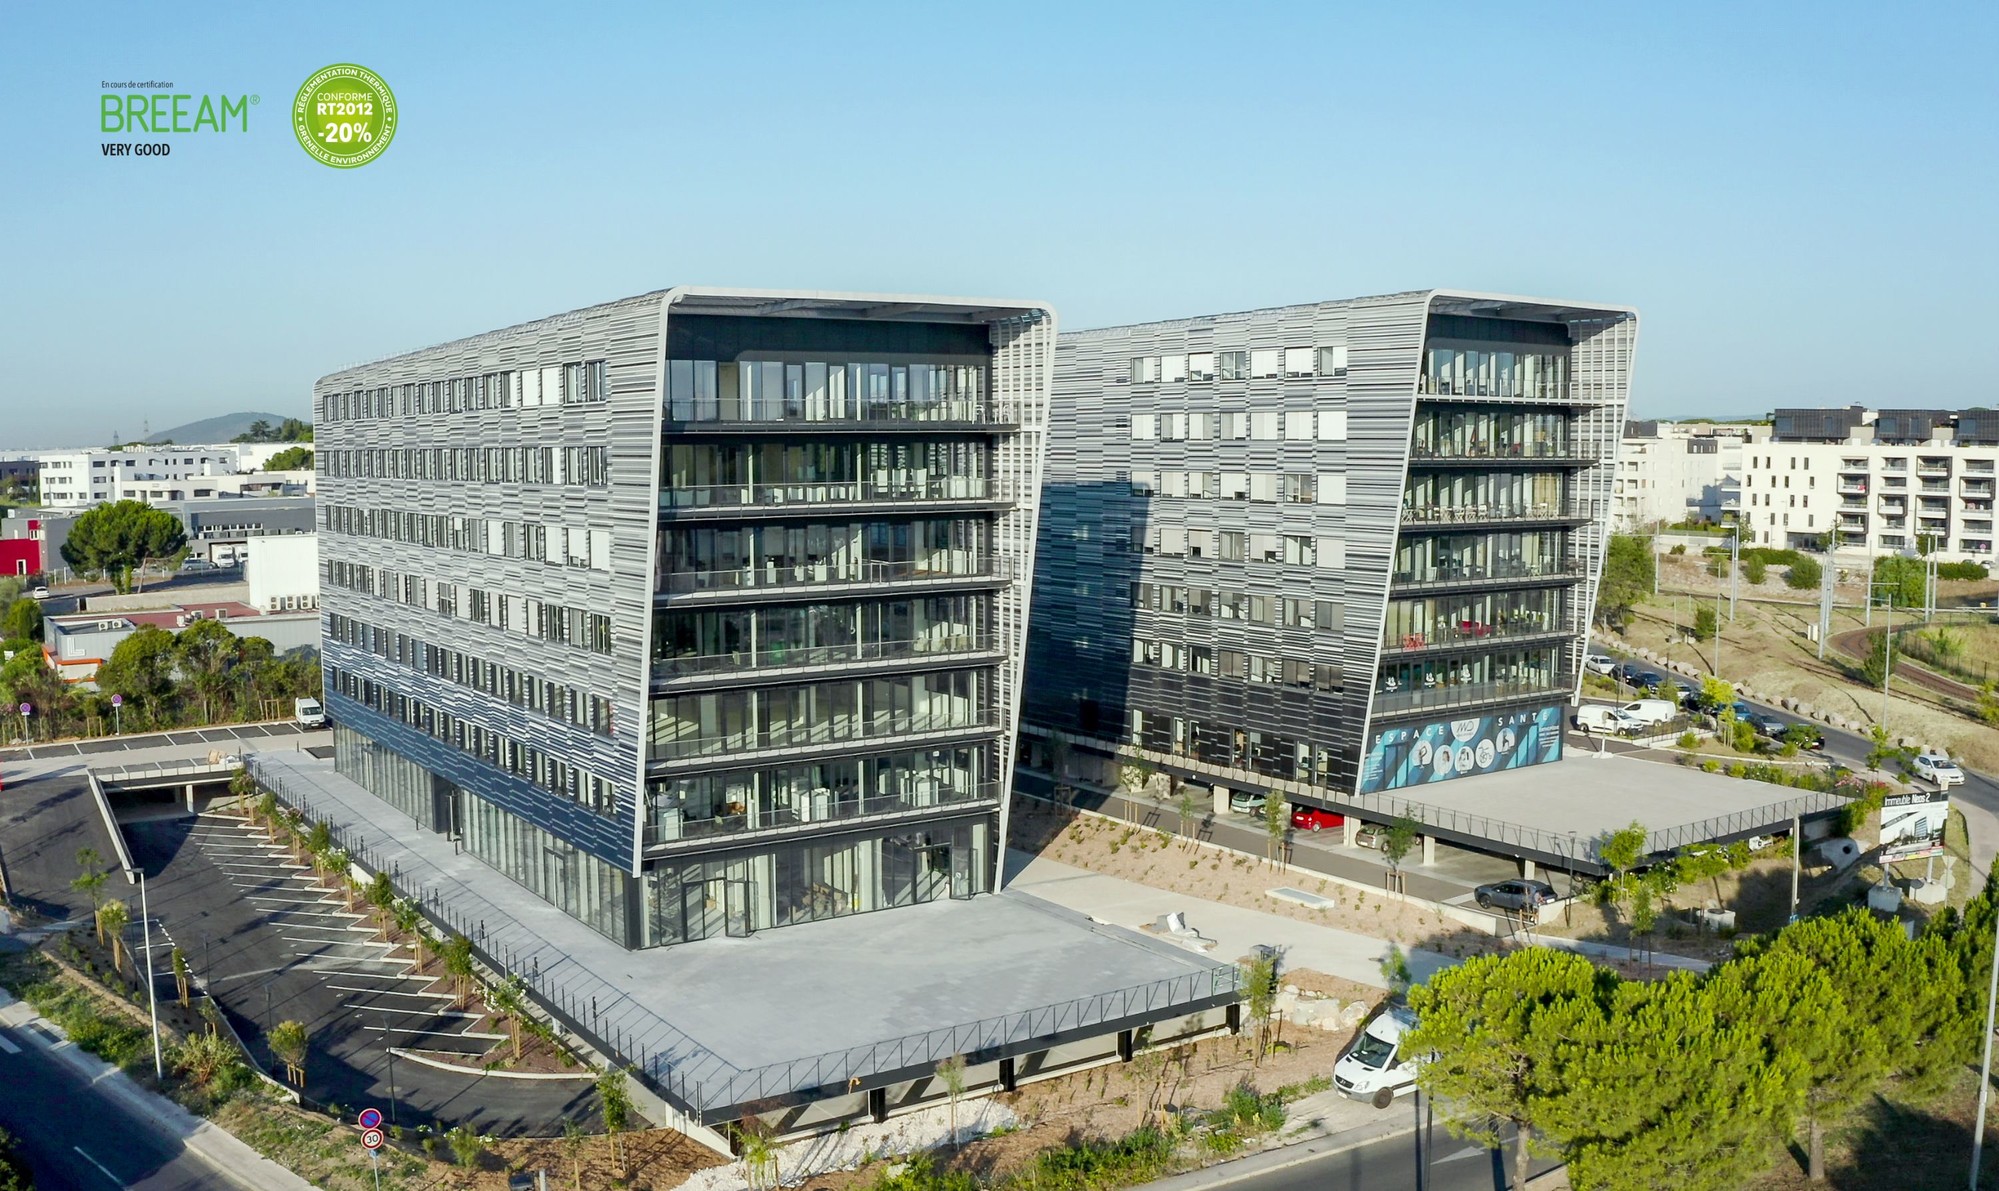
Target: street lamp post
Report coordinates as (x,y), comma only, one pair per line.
(152,993)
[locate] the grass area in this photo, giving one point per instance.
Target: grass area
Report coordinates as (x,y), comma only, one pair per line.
(84,1015)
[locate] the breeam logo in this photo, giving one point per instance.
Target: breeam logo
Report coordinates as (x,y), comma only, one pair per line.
(159,113)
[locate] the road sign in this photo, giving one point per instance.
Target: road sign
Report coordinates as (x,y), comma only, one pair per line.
(372,1138)
(117,700)
(371,1118)
(27,708)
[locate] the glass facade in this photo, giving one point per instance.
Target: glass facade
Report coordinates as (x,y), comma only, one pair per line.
(1494,370)
(702,475)
(779,717)
(812,880)
(1459,680)
(1449,557)
(706,641)
(1473,496)
(1445,620)
(388,775)
(824,391)
(575,882)
(704,558)
(1447,431)
(793,795)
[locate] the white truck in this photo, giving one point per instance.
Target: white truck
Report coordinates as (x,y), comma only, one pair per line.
(1373,1068)
(1598,717)
(308,713)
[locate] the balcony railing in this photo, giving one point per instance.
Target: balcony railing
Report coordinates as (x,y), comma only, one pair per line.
(1933,469)
(829,415)
(823,574)
(672,821)
(839,492)
(1852,488)
(1495,452)
(1461,694)
(1469,632)
(1486,513)
(780,658)
(1448,574)
(822,733)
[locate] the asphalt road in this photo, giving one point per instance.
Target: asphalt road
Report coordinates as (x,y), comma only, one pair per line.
(77,1138)
(1391,1164)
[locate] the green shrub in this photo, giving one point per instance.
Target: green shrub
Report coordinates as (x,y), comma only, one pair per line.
(1710,765)
(1972,571)
(1754,570)
(1679,549)
(1804,575)
(1688,740)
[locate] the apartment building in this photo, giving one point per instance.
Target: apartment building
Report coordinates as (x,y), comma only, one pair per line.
(1669,472)
(697,613)
(1877,482)
(78,479)
(1330,549)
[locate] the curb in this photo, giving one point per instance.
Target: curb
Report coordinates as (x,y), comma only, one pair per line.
(1282,1157)
(441,1065)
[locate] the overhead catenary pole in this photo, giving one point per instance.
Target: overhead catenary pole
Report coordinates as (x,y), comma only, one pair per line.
(1734,571)
(1827,577)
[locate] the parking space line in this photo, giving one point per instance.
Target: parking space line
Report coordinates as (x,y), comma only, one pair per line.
(390,992)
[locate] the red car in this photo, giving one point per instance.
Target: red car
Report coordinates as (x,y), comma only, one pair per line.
(1311,818)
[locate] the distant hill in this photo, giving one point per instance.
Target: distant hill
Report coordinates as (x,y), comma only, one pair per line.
(214,430)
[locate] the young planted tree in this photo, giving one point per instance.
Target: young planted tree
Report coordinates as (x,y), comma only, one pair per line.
(466,1146)
(1496,1028)
(1621,853)
(183,979)
(112,918)
(1185,808)
(336,866)
(1395,845)
(1706,621)
(381,895)
(1259,975)
(90,882)
(289,1042)
(1276,822)
(509,999)
(266,811)
(205,1060)
(951,1073)
(759,1152)
(456,952)
(573,1137)
(615,1099)
(244,787)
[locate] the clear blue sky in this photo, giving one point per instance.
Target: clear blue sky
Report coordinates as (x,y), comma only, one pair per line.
(1799,197)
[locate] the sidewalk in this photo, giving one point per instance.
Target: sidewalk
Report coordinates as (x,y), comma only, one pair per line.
(1236,931)
(221,1149)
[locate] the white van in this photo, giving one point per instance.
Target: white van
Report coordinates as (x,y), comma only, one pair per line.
(1373,1068)
(1600,717)
(1650,711)
(308,713)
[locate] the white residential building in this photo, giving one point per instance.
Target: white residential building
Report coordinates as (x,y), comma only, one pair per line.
(78,479)
(1668,472)
(1867,481)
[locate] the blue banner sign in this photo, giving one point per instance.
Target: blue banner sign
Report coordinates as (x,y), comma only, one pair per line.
(1417,754)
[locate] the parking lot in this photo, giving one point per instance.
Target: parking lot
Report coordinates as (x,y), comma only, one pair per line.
(272,734)
(271,945)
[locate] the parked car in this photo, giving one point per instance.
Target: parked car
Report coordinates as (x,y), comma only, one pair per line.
(1374,1069)
(1599,717)
(39,593)
(1515,895)
(1370,835)
(1624,671)
(1937,768)
(1600,663)
(1648,680)
(1771,726)
(195,566)
(1650,711)
(1312,818)
(1245,802)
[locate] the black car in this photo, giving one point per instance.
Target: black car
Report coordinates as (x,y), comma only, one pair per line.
(1515,895)
(1648,680)
(1624,671)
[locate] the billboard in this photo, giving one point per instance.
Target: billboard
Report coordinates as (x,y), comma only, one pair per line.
(1418,754)
(1912,824)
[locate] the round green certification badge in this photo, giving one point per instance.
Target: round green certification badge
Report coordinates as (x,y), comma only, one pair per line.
(345,116)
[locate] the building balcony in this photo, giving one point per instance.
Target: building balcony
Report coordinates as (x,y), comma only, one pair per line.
(1933,469)
(1518,454)
(1853,537)
(735,501)
(1937,486)
(1471,635)
(1452,577)
(1856,504)
(1852,487)
(1977,506)
(1979,488)
(1445,517)
(1464,694)
(703,417)
(777,664)
(1853,520)
(694,754)
(752,584)
(672,822)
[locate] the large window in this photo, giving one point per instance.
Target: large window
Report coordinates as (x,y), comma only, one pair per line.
(1455,681)
(825,391)
(721,722)
(701,558)
(845,788)
(1457,556)
(1444,620)
(811,881)
(1494,372)
(1470,496)
(1469,432)
(816,634)
(702,474)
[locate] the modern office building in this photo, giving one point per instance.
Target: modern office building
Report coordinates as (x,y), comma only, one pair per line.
(79,479)
(1327,550)
(1874,482)
(1673,472)
(697,613)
